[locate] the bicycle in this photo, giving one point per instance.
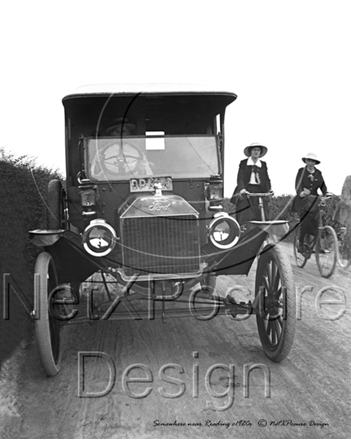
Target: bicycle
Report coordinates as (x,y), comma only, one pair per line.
(325,244)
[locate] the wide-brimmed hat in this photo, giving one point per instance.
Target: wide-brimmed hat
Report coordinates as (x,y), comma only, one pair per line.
(120,123)
(247,150)
(311,156)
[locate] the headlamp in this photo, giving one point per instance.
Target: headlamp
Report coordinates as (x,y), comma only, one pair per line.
(224,231)
(99,238)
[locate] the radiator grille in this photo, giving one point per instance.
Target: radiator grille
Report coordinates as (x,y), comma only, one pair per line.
(161,245)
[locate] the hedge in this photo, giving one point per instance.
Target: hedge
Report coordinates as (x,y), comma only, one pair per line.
(23,196)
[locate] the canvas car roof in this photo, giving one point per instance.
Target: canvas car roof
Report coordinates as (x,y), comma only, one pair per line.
(149,89)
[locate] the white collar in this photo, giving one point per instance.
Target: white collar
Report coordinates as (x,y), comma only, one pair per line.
(251,162)
(311,172)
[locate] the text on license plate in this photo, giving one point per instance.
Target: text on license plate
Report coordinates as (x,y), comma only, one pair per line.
(147,184)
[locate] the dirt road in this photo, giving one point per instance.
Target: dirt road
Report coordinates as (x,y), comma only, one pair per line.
(307,396)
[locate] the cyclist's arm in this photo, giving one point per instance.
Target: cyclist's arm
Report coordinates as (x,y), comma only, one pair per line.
(298,181)
(323,186)
(346,192)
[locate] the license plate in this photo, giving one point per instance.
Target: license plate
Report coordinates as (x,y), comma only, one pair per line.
(147,184)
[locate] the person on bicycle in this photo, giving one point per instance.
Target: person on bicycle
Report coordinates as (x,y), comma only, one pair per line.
(252,178)
(308,181)
(342,213)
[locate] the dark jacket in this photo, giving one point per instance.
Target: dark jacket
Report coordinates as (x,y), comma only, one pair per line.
(248,209)
(313,182)
(244,176)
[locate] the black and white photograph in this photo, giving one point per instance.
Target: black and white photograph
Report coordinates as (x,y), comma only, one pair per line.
(175,220)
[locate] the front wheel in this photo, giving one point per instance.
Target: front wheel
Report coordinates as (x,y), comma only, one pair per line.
(344,253)
(326,251)
(276,315)
(47,328)
(300,256)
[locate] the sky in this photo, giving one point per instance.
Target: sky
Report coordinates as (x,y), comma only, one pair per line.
(288,61)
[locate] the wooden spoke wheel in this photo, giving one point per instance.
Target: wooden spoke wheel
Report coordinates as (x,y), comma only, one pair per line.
(276,317)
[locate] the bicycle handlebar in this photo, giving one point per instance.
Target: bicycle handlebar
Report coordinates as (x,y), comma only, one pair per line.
(259,194)
(323,200)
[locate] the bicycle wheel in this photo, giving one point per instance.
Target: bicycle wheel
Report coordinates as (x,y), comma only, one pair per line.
(300,258)
(344,257)
(326,251)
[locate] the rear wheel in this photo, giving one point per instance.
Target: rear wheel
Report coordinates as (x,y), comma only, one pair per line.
(326,251)
(47,327)
(276,315)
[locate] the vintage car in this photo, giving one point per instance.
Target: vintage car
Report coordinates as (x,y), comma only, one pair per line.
(142,206)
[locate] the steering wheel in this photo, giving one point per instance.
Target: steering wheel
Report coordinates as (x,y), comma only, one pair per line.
(119,159)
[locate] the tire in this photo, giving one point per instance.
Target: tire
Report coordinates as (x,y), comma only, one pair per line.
(276,317)
(344,257)
(344,262)
(328,243)
(47,328)
(300,259)
(55,205)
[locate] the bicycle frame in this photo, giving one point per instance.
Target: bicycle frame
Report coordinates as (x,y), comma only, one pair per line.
(311,244)
(324,242)
(276,229)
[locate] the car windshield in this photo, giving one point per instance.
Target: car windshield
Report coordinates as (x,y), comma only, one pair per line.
(116,158)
